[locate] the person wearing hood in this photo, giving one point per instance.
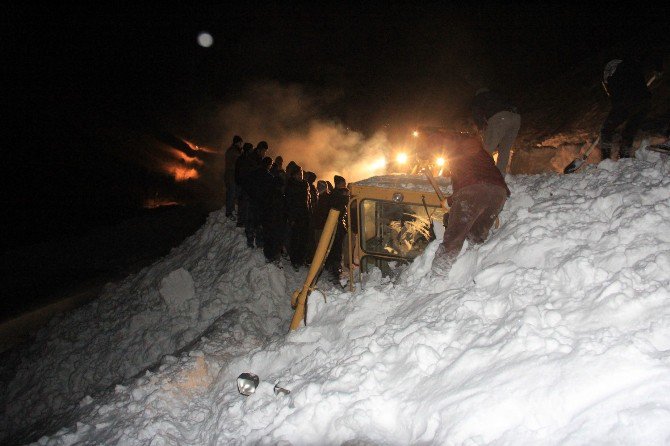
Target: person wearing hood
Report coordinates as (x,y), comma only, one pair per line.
(498,122)
(479,194)
(630,99)
(232,154)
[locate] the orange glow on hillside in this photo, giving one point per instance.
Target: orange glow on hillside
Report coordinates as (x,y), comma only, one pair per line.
(185,158)
(198,148)
(181,173)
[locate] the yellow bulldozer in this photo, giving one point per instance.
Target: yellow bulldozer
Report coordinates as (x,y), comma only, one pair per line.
(390,222)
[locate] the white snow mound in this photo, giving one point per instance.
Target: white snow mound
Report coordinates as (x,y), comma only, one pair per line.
(554,331)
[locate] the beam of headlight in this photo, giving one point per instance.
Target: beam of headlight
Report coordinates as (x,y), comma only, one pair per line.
(401,158)
(415,133)
(440,161)
(379,164)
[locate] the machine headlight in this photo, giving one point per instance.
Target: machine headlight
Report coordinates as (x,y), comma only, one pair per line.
(398,197)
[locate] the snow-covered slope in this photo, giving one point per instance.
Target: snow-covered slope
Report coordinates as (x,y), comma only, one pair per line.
(555,331)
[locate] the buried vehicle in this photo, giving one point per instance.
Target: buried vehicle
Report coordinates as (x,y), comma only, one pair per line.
(390,221)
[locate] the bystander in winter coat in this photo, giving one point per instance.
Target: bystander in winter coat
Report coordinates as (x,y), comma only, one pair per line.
(297,212)
(243,166)
(630,98)
(498,121)
(232,154)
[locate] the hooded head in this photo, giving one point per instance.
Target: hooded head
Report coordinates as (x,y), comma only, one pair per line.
(237,139)
(247,147)
(262,146)
(339,181)
(310,177)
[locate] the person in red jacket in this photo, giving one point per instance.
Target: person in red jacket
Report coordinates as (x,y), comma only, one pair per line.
(479,194)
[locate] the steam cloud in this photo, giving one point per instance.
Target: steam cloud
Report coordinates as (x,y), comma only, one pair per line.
(291,121)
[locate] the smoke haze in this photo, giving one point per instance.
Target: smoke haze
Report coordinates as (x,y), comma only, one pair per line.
(292,123)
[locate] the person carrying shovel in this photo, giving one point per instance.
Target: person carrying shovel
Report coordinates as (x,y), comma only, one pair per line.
(624,82)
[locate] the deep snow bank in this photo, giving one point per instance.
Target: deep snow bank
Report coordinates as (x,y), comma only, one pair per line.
(137,321)
(557,330)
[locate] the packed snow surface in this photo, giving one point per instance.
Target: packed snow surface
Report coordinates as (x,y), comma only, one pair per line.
(554,331)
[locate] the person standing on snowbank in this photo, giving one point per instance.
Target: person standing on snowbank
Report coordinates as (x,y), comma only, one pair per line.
(297,213)
(338,199)
(498,121)
(479,194)
(232,153)
(630,98)
(243,166)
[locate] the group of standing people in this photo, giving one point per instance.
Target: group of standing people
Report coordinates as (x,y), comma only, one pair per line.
(283,211)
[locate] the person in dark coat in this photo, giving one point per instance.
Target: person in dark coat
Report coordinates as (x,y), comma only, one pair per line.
(258,185)
(273,221)
(259,153)
(297,212)
(320,213)
(243,166)
(479,194)
(232,153)
(630,98)
(338,199)
(277,169)
(498,121)
(310,177)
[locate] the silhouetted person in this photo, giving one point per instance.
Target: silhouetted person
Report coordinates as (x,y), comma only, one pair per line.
(338,199)
(273,221)
(277,169)
(243,166)
(259,153)
(630,98)
(297,211)
(258,185)
(232,154)
(310,177)
(320,213)
(498,121)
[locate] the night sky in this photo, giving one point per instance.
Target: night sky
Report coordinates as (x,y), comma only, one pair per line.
(76,74)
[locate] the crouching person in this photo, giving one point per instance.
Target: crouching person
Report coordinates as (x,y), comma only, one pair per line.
(479,194)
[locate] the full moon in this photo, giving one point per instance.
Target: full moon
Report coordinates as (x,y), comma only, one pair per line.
(205,39)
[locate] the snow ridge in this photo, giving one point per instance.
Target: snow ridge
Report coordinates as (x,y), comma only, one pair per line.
(555,331)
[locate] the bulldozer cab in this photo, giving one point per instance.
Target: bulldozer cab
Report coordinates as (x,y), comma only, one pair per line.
(391,220)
